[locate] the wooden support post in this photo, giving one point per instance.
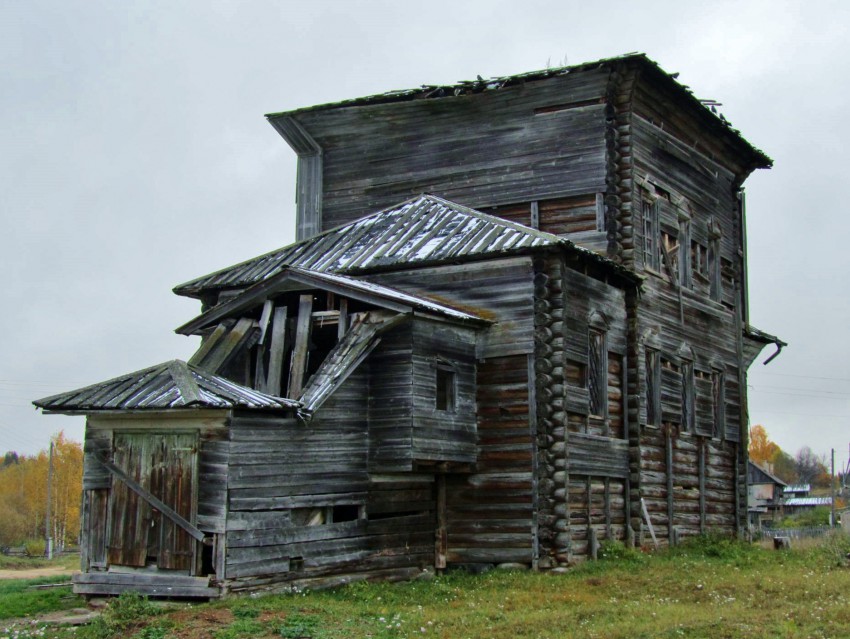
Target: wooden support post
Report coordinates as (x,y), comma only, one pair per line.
(342,324)
(535,460)
(669,464)
(608,533)
(593,542)
(674,538)
(702,507)
(277,351)
(298,368)
(648,522)
(441,542)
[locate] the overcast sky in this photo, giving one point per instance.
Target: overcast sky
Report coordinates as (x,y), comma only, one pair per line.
(134,156)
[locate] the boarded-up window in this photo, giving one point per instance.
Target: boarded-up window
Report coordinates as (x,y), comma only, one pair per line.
(718,391)
(687,370)
(653,387)
(597,373)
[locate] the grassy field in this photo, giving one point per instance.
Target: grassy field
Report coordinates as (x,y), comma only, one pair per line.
(710,588)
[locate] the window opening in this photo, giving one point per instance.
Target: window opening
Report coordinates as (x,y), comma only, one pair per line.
(650,235)
(446,389)
(597,373)
(718,393)
(687,370)
(653,388)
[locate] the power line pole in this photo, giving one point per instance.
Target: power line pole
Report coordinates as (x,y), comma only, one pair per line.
(47,522)
(832,489)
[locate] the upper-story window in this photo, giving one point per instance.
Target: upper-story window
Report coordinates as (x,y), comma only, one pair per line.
(650,234)
(718,396)
(597,369)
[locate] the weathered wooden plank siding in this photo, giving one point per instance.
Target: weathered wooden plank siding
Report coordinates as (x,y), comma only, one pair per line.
(498,290)
(443,435)
(303,505)
(390,403)
(377,155)
(490,512)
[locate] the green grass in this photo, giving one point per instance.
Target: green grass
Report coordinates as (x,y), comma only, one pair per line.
(70,561)
(17,599)
(708,587)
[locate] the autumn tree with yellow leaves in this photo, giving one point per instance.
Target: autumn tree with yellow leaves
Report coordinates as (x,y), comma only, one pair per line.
(23,494)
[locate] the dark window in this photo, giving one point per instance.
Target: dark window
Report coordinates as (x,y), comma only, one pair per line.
(446,389)
(687,370)
(650,235)
(653,388)
(597,373)
(713,269)
(718,391)
(346,512)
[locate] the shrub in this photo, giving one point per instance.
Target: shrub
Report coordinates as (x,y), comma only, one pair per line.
(35,547)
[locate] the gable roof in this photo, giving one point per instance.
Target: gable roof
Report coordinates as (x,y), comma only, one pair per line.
(424,230)
(169,385)
(759,475)
(293,278)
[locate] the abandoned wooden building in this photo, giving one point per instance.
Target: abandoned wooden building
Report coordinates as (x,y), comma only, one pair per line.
(514,324)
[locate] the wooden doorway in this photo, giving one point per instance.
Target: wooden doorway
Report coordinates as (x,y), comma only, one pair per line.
(165,465)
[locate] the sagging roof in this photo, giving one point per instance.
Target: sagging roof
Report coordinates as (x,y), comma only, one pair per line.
(481,85)
(169,385)
(293,278)
(350,351)
(424,230)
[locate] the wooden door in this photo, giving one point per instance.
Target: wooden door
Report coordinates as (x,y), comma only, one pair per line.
(163,464)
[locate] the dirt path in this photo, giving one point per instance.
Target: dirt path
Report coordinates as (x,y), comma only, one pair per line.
(35,573)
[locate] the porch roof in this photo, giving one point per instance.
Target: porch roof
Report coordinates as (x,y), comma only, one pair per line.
(169,385)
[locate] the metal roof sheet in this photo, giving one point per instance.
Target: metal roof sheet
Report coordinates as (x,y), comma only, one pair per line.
(173,384)
(426,229)
(809,501)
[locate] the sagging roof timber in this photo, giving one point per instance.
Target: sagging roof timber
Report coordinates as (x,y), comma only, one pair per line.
(169,385)
(295,279)
(425,230)
(285,123)
(361,339)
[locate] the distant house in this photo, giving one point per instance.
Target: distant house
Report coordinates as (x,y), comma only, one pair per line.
(514,324)
(765,496)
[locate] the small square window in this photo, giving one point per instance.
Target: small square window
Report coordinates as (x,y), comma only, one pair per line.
(446,389)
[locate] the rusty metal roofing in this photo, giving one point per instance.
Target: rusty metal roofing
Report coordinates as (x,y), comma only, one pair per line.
(173,384)
(424,230)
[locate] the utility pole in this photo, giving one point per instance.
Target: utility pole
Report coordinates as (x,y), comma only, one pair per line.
(832,489)
(47,522)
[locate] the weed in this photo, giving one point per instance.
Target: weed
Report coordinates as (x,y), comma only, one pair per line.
(120,617)
(241,629)
(300,626)
(618,551)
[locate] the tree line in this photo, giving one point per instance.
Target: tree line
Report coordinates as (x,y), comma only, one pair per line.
(803,468)
(23,494)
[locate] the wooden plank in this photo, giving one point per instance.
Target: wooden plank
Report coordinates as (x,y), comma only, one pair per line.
(210,342)
(152,500)
(298,368)
(277,351)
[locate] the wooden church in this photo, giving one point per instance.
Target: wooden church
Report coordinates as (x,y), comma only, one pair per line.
(513,325)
